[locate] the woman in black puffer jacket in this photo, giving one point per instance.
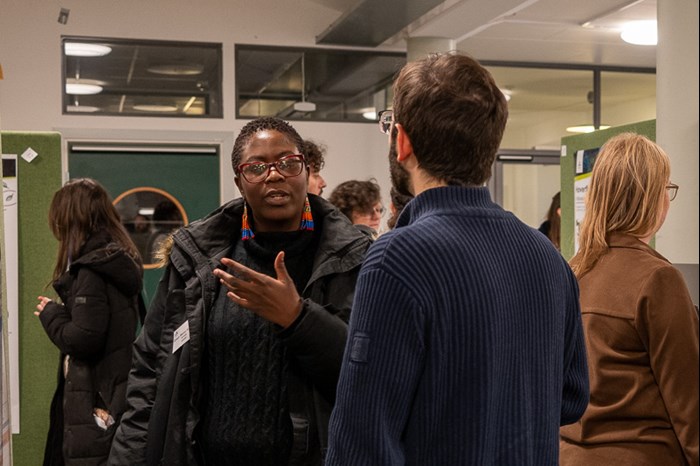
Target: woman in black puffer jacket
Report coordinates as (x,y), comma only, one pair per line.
(98,277)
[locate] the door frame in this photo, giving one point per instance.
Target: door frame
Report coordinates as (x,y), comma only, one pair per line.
(223,141)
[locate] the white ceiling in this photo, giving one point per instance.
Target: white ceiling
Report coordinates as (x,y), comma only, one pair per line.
(545,31)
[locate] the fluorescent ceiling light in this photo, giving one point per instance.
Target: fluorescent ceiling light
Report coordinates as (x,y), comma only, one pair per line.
(80,49)
(369,113)
(176,70)
(81,109)
(640,33)
(155,108)
(83,86)
(585,128)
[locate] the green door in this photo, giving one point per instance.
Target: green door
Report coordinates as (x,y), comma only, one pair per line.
(154,189)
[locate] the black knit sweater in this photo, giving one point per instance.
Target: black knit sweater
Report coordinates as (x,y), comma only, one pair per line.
(245,409)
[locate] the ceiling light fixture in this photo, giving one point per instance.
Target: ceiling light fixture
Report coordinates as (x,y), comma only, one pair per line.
(176,70)
(304,106)
(640,33)
(585,128)
(81,49)
(81,109)
(369,113)
(83,86)
(189,103)
(507,93)
(155,108)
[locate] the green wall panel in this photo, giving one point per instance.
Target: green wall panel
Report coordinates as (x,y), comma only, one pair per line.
(38,357)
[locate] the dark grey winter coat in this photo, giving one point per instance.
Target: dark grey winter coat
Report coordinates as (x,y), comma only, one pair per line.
(164,386)
(96,326)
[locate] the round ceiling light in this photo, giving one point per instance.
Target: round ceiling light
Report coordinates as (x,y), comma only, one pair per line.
(585,128)
(155,108)
(369,113)
(176,70)
(83,86)
(640,33)
(81,49)
(81,109)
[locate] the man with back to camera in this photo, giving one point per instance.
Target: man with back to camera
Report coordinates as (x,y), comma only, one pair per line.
(465,344)
(313,153)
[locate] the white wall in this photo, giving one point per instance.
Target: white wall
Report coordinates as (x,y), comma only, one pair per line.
(677,124)
(30,55)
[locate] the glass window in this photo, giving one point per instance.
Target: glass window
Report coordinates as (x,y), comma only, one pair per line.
(313,84)
(121,77)
(543,103)
(627,97)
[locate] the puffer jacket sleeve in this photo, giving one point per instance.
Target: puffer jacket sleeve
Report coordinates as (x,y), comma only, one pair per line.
(129,445)
(82,331)
(317,338)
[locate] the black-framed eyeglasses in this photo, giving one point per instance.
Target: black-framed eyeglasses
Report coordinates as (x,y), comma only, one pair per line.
(287,166)
(672,189)
(386,120)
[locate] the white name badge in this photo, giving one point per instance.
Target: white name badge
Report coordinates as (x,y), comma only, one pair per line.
(181,336)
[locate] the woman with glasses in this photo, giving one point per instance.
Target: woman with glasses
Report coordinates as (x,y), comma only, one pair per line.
(239,357)
(361,202)
(640,324)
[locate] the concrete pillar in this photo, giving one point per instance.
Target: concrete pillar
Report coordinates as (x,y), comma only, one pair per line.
(677,130)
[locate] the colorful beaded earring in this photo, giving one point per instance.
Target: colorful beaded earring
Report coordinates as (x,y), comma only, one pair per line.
(307,221)
(246,231)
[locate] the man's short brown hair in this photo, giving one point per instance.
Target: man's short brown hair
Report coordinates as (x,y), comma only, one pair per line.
(454,114)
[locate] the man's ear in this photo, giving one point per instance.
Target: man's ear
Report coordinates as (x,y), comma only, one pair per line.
(404,147)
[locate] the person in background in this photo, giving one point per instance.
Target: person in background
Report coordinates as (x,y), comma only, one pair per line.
(314,155)
(98,278)
(239,356)
(140,233)
(551,227)
(361,202)
(465,344)
(640,323)
(398,202)
(166,218)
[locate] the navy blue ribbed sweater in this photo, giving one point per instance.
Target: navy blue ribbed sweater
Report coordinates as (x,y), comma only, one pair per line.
(465,344)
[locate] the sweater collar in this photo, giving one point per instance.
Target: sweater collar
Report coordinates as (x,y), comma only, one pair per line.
(445,199)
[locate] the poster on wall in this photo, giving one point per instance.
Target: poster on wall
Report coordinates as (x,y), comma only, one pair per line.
(9,194)
(584,165)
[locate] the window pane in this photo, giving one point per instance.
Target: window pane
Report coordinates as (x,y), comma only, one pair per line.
(543,103)
(141,78)
(313,84)
(627,97)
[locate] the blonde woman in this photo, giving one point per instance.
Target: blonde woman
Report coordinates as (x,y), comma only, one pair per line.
(640,324)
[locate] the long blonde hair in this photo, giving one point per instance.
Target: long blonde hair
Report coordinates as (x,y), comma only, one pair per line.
(627,187)
(80,208)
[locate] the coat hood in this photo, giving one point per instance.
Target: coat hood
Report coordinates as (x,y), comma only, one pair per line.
(112,262)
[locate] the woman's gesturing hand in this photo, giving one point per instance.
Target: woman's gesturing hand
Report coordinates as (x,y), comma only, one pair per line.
(273,299)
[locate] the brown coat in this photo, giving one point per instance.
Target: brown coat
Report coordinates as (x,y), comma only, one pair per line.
(641,331)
